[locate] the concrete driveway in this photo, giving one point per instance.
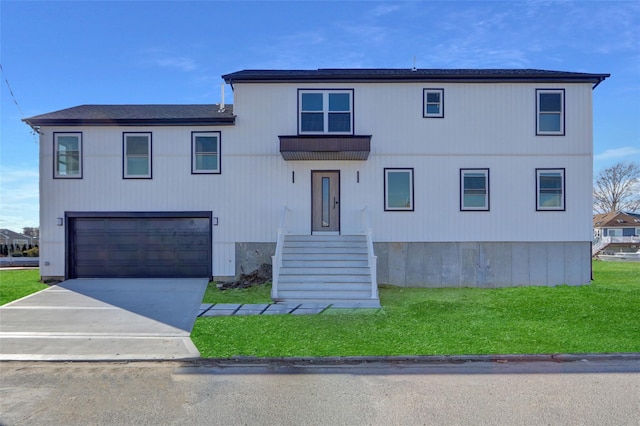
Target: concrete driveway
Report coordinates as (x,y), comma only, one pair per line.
(104,319)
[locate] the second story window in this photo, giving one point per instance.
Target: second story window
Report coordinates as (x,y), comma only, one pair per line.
(68,155)
(137,155)
(325,111)
(550,112)
(433,103)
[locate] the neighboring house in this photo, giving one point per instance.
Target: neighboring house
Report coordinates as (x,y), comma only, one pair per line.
(616,231)
(476,178)
(9,237)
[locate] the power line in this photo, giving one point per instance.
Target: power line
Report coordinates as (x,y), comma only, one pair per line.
(15,101)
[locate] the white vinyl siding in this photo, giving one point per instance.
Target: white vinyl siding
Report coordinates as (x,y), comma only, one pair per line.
(205,152)
(137,155)
(491,126)
(68,155)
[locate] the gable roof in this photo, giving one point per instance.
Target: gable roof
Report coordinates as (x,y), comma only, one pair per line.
(616,220)
(133,115)
(407,74)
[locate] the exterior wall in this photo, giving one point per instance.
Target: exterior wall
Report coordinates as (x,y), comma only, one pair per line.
(485,125)
(484,264)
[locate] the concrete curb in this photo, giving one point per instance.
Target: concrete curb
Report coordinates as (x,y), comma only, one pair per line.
(415,360)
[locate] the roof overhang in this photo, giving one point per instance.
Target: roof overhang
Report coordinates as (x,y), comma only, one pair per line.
(323,147)
(226,121)
(412,75)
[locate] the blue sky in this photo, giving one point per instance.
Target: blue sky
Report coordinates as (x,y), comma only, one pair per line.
(57,55)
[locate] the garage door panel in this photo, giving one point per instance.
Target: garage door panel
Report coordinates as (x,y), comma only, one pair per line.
(140,246)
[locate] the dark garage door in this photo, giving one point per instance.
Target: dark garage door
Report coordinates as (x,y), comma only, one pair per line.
(145,245)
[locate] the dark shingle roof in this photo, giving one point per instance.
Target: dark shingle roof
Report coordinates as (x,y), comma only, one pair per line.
(407,74)
(130,115)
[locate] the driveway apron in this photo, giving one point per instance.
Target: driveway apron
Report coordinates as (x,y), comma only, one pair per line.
(104,319)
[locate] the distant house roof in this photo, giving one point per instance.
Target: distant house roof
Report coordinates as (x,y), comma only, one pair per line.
(133,115)
(7,236)
(407,74)
(616,220)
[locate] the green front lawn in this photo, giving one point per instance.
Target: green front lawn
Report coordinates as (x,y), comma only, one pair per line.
(15,284)
(601,317)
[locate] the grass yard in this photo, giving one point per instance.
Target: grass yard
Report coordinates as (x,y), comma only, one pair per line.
(602,317)
(15,284)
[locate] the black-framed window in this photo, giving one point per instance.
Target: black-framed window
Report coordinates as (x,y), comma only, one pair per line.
(398,189)
(325,111)
(550,112)
(550,189)
(136,155)
(67,157)
(474,189)
(205,152)
(433,103)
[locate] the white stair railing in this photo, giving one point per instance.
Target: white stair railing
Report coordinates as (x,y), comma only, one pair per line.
(602,242)
(373,259)
(276,260)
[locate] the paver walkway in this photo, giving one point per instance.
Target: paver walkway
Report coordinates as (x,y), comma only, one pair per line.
(236,309)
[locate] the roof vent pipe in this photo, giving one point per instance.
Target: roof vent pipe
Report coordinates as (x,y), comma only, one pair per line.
(221,109)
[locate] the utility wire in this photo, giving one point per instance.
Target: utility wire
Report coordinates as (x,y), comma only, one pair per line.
(15,101)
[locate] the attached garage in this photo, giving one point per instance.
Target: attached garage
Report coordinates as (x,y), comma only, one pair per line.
(138,245)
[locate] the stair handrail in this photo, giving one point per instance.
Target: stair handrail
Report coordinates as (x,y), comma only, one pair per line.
(599,244)
(276,259)
(372,258)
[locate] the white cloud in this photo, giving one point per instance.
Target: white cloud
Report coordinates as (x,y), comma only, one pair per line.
(19,198)
(626,151)
(181,63)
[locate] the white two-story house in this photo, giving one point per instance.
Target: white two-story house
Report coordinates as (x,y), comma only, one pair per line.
(423,177)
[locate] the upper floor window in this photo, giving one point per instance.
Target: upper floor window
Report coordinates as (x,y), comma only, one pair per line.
(205,152)
(137,155)
(550,112)
(67,155)
(474,189)
(325,111)
(550,189)
(433,103)
(398,189)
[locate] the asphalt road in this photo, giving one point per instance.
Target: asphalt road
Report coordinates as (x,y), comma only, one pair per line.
(582,392)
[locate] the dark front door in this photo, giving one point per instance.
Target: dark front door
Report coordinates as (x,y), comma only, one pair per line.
(325,201)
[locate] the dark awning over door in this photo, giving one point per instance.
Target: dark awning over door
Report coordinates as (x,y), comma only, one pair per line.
(139,245)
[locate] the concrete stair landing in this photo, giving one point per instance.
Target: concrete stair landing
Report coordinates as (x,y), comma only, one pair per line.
(329,269)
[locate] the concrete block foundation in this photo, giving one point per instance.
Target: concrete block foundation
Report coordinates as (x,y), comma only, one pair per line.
(483,264)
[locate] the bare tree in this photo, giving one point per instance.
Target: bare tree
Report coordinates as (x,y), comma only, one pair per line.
(31,232)
(617,188)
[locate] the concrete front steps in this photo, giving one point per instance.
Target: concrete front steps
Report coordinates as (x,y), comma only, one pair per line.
(327,269)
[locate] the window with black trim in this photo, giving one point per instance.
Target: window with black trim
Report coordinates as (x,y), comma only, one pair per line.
(67,157)
(550,193)
(205,152)
(550,112)
(325,111)
(474,189)
(433,103)
(136,155)
(398,189)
